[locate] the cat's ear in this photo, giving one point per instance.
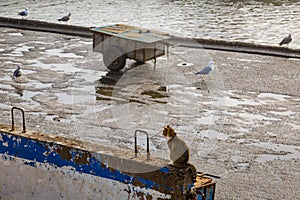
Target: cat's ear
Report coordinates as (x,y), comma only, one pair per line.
(171,132)
(165,131)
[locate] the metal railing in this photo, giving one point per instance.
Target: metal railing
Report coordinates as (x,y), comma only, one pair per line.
(12,119)
(135,143)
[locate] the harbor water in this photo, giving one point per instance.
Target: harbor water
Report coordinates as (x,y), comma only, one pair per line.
(259,22)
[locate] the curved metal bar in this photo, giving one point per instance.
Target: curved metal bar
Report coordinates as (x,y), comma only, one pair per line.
(12,119)
(135,142)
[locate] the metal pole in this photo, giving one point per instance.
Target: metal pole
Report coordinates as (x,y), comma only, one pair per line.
(135,144)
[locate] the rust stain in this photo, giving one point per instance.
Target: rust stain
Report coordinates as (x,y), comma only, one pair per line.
(128,191)
(82,158)
(143,196)
(5,127)
(64,152)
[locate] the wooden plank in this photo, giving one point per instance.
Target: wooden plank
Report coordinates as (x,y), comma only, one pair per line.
(131,34)
(115,30)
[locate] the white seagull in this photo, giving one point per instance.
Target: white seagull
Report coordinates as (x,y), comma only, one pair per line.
(17,73)
(206,70)
(24,13)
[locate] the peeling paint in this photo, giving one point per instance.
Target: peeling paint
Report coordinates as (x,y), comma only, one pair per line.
(64,152)
(82,158)
(49,155)
(40,152)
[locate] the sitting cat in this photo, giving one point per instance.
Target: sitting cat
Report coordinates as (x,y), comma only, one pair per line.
(179,151)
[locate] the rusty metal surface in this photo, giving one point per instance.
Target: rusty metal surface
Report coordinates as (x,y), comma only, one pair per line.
(202,181)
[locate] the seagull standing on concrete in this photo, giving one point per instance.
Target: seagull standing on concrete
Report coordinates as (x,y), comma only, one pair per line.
(65,18)
(206,70)
(286,40)
(17,72)
(24,13)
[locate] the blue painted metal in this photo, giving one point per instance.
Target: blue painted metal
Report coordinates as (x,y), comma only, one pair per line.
(80,160)
(35,152)
(207,192)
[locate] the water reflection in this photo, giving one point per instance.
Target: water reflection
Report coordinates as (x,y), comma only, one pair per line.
(105,86)
(105,93)
(19,91)
(109,88)
(111,78)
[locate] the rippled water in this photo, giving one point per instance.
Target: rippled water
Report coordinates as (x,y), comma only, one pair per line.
(262,22)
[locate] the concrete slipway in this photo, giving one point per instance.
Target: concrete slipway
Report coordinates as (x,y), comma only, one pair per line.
(242,123)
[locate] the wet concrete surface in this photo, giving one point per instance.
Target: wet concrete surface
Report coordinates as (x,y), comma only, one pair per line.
(242,122)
